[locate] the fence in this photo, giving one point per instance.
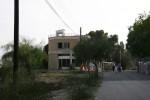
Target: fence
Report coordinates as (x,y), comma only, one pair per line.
(144,65)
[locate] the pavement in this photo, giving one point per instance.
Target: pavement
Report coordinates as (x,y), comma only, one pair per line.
(127,85)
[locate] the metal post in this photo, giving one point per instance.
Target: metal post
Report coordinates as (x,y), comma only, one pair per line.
(80,33)
(16,39)
(120,57)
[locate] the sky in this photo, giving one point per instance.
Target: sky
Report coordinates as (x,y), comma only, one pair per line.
(38,21)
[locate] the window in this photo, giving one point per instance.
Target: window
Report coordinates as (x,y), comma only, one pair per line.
(59,45)
(63,54)
(63,45)
(64,62)
(66,45)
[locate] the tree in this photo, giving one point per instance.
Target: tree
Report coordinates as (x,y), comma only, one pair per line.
(113,39)
(94,49)
(139,35)
(46,49)
(45,61)
(30,56)
(116,54)
(127,60)
(82,51)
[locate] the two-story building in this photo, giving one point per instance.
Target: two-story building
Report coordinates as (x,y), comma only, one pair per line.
(60,50)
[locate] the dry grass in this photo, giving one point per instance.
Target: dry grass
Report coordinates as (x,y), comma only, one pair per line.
(53,85)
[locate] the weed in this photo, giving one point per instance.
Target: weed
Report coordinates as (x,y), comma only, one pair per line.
(80,87)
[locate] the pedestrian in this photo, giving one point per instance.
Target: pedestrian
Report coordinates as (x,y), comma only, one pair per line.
(113,67)
(116,69)
(119,68)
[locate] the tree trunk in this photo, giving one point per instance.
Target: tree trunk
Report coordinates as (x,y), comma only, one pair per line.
(88,67)
(96,68)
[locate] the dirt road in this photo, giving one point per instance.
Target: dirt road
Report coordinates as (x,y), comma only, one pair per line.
(127,85)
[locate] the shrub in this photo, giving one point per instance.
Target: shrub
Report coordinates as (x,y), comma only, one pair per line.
(72,66)
(80,87)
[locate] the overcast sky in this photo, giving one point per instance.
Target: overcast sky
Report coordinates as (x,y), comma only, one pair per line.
(38,21)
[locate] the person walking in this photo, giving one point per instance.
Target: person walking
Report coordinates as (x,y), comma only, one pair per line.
(116,69)
(113,67)
(119,67)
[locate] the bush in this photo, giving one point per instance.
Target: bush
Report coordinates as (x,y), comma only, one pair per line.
(26,88)
(80,87)
(6,75)
(72,66)
(26,91)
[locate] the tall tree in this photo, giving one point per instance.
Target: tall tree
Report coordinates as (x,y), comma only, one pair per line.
(30,56)
(45,61)
(126,60)
(116,54)
(46,49)
(94,49)
(139,35)
(113,39)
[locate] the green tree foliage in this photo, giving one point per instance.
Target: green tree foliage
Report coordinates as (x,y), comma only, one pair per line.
(46,49)
(82,51)
(127,60)
(118,51)
(97,47)
(100,45)
(116,54)
(45,61)
(138,38)
(113,40)
(30,56)
(123,56)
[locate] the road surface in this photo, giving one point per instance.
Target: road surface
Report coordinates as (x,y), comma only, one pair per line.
(127,85)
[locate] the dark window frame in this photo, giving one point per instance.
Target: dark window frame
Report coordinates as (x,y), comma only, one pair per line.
(64,45)
(60,45)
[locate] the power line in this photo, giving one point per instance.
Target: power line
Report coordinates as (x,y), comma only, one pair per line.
(64,9)
(49,4)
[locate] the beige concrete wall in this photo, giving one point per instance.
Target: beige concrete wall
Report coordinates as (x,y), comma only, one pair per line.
(53,44)
(53,49)
(53,61)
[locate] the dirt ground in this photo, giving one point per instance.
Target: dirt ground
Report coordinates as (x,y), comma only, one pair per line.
(60,94)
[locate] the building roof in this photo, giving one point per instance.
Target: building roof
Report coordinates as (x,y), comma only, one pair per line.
(64,37)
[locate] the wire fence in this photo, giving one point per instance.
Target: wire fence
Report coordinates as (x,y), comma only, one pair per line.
(144,65)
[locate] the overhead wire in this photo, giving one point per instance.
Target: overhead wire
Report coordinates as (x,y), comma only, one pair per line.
(53,9)
(67,14)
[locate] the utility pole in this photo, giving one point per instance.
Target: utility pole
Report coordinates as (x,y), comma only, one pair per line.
(80,32)
(120,57)
(16,41)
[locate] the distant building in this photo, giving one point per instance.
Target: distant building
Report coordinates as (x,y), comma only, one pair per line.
(60,50)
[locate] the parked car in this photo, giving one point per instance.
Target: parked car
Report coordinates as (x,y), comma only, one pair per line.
(134,68)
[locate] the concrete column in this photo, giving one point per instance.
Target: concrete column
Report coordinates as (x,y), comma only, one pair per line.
(70,57)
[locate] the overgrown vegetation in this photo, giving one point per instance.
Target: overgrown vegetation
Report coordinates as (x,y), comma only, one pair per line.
(77,83)
(27,87)
(139,35)
(26,91)
(35,83)
(100,47)
(81,87)
(95,48)
(30,59)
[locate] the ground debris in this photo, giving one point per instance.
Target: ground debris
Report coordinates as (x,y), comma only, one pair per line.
(58,95)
